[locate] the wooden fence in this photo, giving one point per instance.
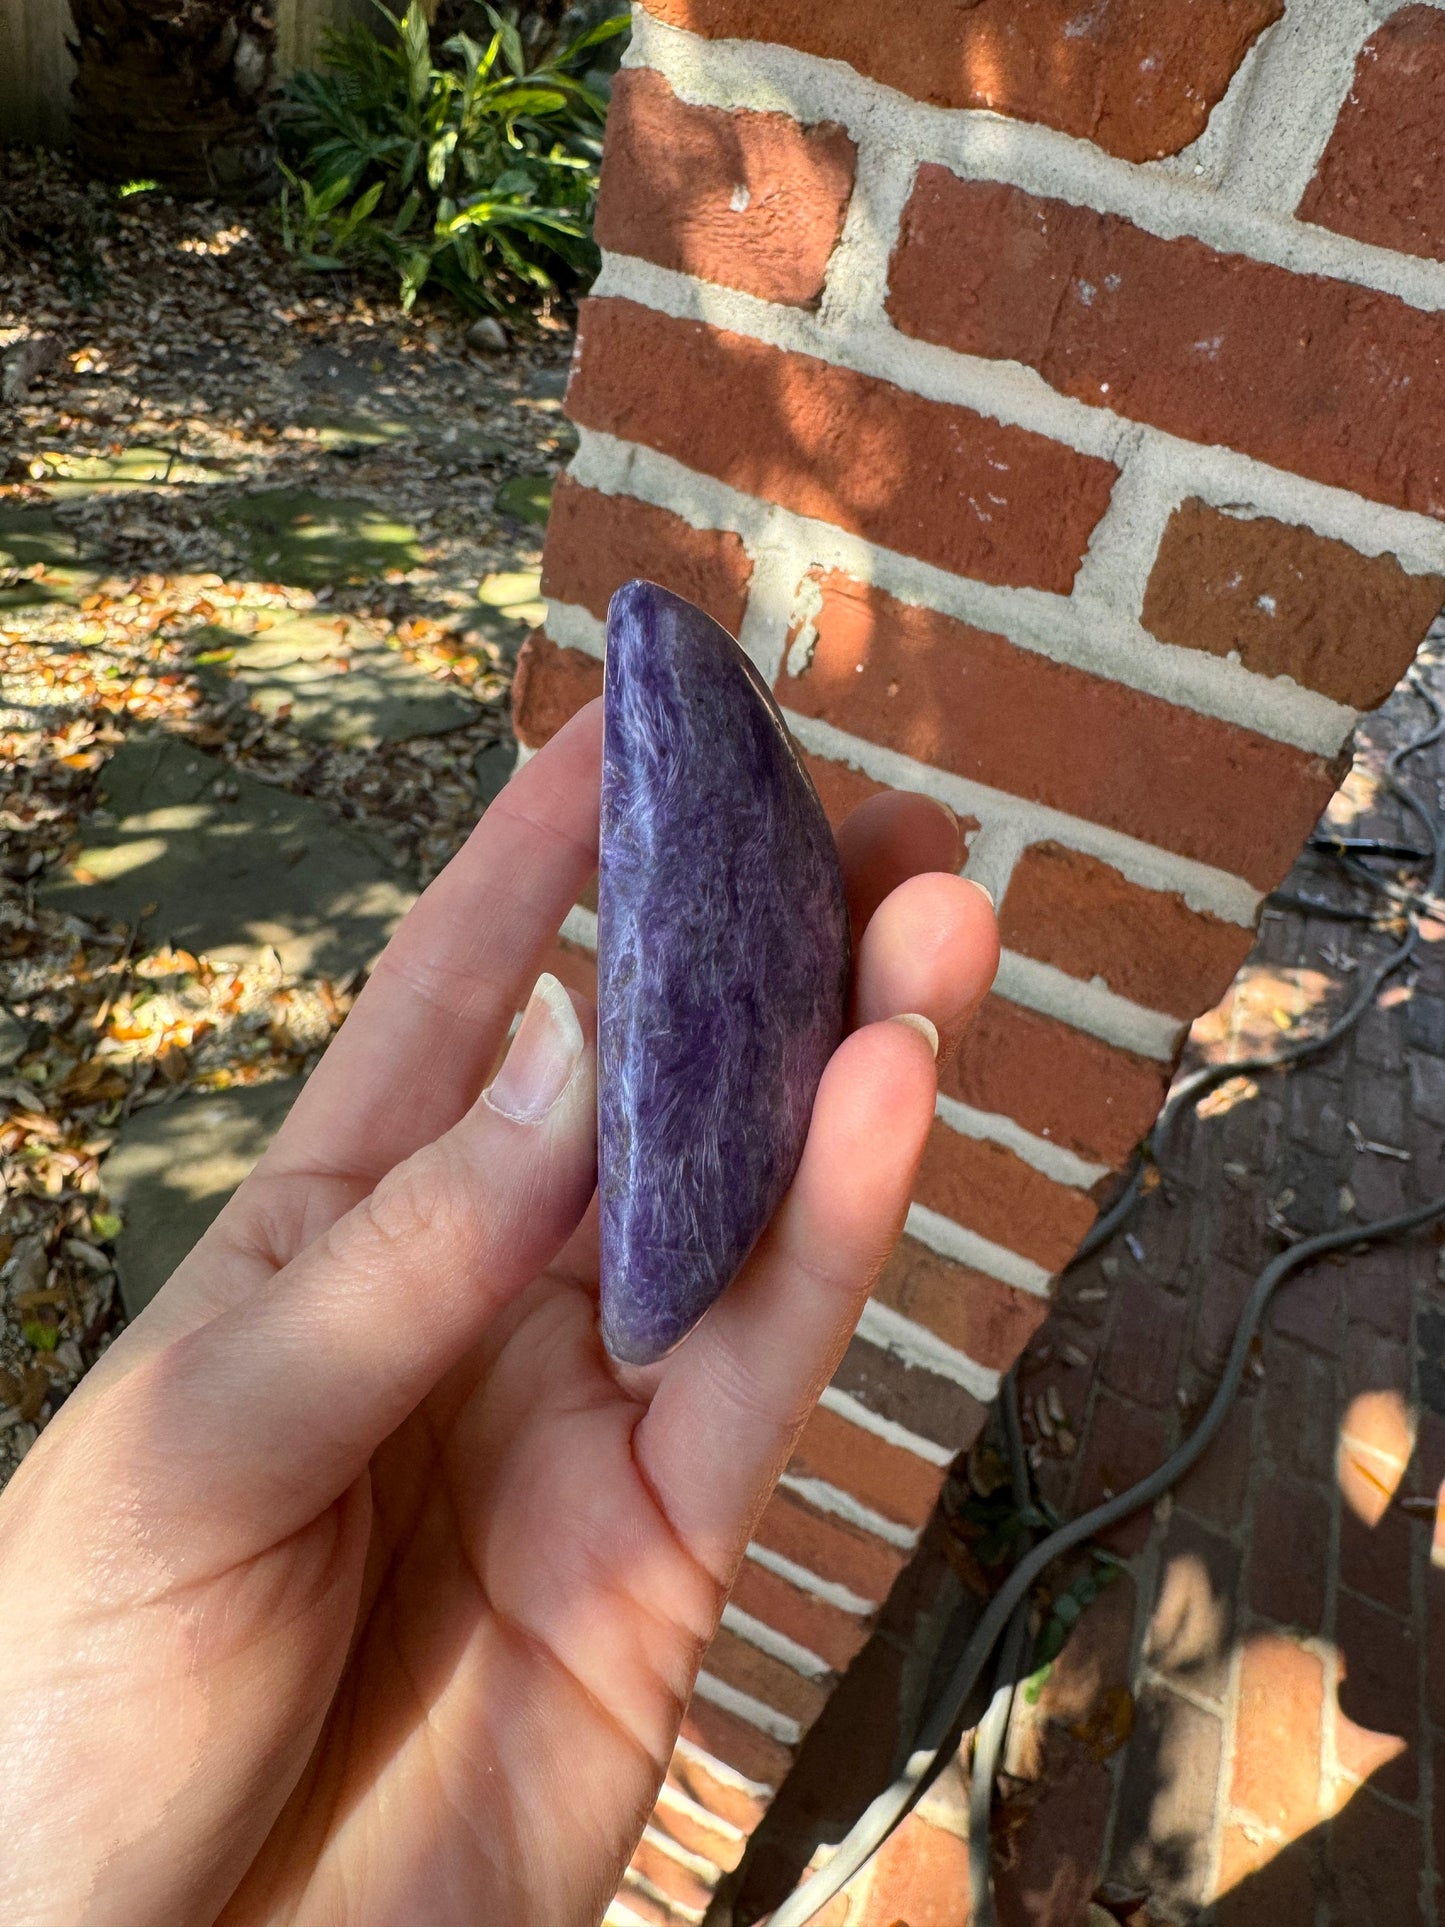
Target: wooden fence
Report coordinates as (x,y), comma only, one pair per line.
(36,68)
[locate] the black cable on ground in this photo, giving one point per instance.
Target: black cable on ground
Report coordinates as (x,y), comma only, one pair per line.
(1006,1615)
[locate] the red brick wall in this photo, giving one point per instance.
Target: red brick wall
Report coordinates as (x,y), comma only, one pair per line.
(1052,398)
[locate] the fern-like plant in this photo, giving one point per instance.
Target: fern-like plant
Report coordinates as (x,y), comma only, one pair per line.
(458,165)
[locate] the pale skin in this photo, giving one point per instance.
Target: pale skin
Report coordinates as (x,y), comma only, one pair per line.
(355,1586)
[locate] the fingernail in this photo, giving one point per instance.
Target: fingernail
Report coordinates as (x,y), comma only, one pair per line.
(544,1054)
(983,891)
(921,1024)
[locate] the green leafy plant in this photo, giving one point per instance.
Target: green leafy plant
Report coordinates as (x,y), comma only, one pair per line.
(458,165)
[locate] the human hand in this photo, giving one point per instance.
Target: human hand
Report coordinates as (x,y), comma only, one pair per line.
(355,1584)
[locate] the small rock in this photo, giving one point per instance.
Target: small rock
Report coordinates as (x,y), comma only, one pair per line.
(25,361)
(487,336)
(493,767)
(14,1036)
(28,1266)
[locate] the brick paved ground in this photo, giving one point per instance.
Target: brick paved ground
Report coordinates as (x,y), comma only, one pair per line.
(1248,1725)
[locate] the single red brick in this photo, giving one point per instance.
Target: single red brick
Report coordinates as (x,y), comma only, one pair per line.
(992,1191)
(551,685)
(1095,1665)
(753,201)
(1190,1638)
(964,700)
(700,1833)
(846,448)
(1377,1857)
(637,1899)
(920,1877)
(737,1662)
(1141,1359)
(1082,916)
(670,1877)
(597,542)
(828,1631)
(1377,1726)
(1289,602)
(1047,1862)
(1379,176)
(892,1481)
(974,1313)
(693,1775)
(840,789)
(1214,1488)
(1259,1880)
(828,1546)
(1329,379)
(1124,1443)
(743,1747)
(1063,1084)
(913,1396)
(1276,1774)
(1377,1560)
(1289,1556)
(1139,81)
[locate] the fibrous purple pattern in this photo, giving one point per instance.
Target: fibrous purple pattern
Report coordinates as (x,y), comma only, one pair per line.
(722,953)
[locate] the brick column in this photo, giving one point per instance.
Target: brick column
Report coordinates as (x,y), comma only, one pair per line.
(1052,397)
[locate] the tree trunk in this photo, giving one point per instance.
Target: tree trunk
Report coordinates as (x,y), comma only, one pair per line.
(171,91)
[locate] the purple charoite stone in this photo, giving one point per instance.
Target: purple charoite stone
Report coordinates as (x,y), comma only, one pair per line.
(722,953)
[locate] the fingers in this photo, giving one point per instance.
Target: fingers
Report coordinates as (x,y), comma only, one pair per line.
(276,1405)
(730,1402)
(888,839)
(931,946)
(410,1058)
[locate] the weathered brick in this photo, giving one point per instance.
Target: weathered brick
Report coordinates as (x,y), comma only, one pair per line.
(551,685)
(696,1778)
(1214,1488)
(1260,1881)
(1057,1081)
(1379,176)
(974,703)
(1377,1725)
(751,200)
(923,1401)
(1377,1560)
(1139,81)
(974,1313)
(597,542)
(1141,1359)
(1337,382)
(828,1546)
(1054,1842)
(739,1663)
(670,1877)
(1190,1640)
(697,1832)
(992,1191)
(743,1747)
(1301,1411)
(893,1481)
(1094,1667)
(923,477)
(1377,1858)
(828,1631)
(1289,1557)
(1124,1443)
(921,1877)
(1079,914)
(1166,1799)
(1288,602)
(1276,1770)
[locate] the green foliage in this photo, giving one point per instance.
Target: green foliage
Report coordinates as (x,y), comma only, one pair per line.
(457,165)
(1065,1613)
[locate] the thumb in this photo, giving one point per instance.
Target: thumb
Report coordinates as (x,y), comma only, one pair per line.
(273,1409)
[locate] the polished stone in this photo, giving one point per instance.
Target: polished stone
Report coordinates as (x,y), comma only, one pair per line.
(723,956)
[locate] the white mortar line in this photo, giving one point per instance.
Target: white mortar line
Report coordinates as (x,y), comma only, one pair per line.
(775,1644)
(1008,392)
(830,1591)
(1051,1160)
(1297,88)
(649,1890)
(951,1240)
(1096,630)
(619,1914)
(1168,200)
(831,1498)
(776,1725)
(1087,1007)
(696,1863)
(680,1802)
(915,1345)
(843,1405)
(729,1775)
(1201,885)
